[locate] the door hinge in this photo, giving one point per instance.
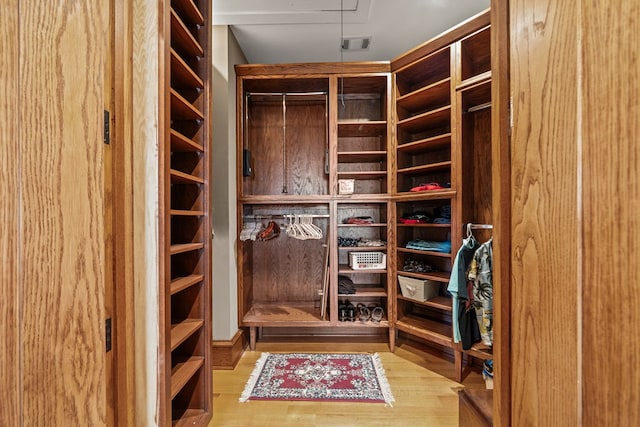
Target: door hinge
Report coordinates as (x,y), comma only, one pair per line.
(107,139)
(107,330)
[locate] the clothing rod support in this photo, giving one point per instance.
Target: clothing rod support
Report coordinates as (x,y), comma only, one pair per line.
(285,93)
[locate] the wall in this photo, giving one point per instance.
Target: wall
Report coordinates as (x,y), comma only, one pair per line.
(226,53)
(52,274)
(575,202)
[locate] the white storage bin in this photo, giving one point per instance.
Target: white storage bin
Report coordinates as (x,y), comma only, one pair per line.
(417,289)
(368,260)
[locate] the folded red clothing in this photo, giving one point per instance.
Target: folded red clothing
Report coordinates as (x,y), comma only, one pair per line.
(429,186)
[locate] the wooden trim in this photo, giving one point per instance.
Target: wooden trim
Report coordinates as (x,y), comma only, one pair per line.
(124,388)
(450,36)
(318,68)
(501,193)
(226,354)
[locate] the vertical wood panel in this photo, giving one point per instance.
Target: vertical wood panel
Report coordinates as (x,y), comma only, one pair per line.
(501,210)
(611,196)
(61,80)
(544,213)
(9,216)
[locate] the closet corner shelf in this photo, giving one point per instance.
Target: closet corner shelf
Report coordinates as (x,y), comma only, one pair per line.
(184,178)
(370,291)
(376,224)
(190,10)
(182,73)
(360,128)
(430,119)
(182,372)
(480,350)
(362,198)
(191,417)
(183,109)
(424,195)
(427,97)
(180,142)
(178,212)
(440,302)
(184,37)
(430,330)
(185,247)
(475,80)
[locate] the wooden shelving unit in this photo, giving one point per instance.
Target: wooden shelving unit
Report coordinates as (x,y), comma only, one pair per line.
(186,390)
(442,108)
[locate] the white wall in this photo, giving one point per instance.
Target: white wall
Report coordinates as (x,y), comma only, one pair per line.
(226,53)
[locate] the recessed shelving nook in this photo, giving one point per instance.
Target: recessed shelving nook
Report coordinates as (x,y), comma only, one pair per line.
(185,309)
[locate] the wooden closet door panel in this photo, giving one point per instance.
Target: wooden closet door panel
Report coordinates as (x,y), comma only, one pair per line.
(545,216)
(62,231)
(611,199)
(9,217)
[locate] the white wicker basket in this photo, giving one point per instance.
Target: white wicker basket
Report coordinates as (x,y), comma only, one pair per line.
(368,260)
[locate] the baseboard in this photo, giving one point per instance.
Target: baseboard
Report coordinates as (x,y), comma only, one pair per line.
(226,354)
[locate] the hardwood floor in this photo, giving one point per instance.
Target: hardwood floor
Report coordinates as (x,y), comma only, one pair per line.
(423,386)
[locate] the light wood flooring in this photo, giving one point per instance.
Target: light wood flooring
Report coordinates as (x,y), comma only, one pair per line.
(423,385)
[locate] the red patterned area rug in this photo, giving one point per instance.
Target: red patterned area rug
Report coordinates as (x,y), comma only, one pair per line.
(320,377)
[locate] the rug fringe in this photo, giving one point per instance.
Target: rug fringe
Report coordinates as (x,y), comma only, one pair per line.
(382,379)
(253,378)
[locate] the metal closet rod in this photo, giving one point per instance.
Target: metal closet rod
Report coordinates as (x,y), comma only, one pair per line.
(285,93)
(479,226)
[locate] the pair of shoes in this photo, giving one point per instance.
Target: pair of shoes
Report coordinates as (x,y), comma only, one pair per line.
(377,313)
(347,312)
(364,314)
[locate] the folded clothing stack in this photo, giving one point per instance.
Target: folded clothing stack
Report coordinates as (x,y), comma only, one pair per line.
(358,220)
(423,245)
(417,266)
(346,286)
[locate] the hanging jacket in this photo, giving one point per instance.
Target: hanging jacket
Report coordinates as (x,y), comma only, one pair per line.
(458,281)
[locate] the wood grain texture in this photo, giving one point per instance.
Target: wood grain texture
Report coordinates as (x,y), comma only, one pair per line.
(545,215)
(420,379)
(10,303)
(611,202)
(501,203)
(62,267)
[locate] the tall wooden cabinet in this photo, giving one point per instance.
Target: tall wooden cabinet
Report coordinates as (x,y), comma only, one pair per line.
(185,317)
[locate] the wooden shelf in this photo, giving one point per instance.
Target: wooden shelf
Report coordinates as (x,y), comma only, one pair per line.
(425,225)
(430,253)
(285,200)
(438,118)
(427,98)
(437,276)
(474,81)
(192,417)
(480,351)
(183,37)
(177,212)
(183,372)
(182,283)
(185,247)
(422,169)
(182,73)
(440,302)
(438,142)
(362,175)
(424,195)
(363,248)
(184,178)
(361,156)
(376,224)
(183,330)
(181,143)
(189,10)
(361,128)
(283,314)
(183,109)
(367,291)
(345,269)
(430,330)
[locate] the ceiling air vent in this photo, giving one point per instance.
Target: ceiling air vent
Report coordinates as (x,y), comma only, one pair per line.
(356,43)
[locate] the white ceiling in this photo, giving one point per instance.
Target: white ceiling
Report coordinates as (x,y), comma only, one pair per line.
(285,31)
